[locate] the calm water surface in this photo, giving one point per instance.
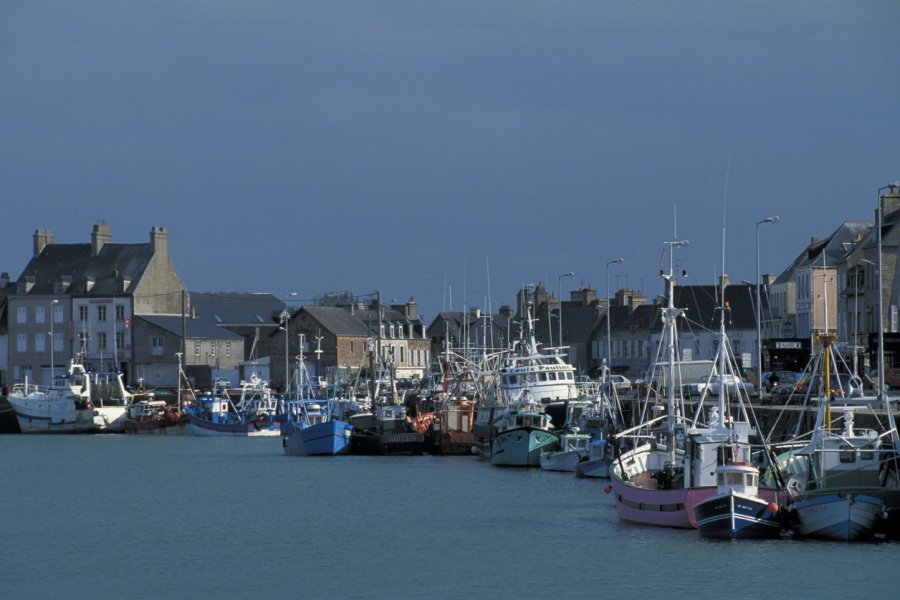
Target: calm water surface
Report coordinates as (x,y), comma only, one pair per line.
(115,516)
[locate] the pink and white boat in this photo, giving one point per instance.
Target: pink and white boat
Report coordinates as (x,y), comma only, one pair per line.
(672,465)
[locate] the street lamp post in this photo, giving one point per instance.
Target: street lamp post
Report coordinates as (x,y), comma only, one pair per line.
(615,261)
(285,318)
(559,286)
(759,382)
(52,340)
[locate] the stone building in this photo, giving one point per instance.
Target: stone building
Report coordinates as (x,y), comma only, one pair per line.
(82,299)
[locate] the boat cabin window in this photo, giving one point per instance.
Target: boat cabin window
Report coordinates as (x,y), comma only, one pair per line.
(570,376)
(513,380)
(847,456)
(735,478)
(751,479)
(866,454)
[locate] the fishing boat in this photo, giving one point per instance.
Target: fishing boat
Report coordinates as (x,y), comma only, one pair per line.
(313,430)
(596,463)
(673,457)
(737,511)
(546,375)
(839,480)
(64,407)
(523,433)
(602,420)
(149,415)
(111,401)
(385,431)
(257,414)
(573,449)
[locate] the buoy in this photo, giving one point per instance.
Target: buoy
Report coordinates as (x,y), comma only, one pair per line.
(773,508)
(607,488)
(475,450)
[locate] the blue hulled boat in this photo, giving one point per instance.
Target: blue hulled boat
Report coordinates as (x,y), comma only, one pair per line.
(737,511)
(256,414)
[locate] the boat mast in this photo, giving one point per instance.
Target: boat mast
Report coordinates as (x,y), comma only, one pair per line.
(670,316)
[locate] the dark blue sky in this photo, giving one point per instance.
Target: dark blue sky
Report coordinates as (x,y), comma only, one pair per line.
(405,146)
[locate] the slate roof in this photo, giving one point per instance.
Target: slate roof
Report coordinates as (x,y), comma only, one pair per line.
(197,328)
(339,321)
(75,262)
(237,309)
(833,248)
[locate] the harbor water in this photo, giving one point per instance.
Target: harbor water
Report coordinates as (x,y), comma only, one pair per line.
(116,516)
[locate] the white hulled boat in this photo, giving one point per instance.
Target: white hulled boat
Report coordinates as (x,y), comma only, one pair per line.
(64,407)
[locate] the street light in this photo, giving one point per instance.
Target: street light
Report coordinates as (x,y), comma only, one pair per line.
(285,318)
(52,339)
(771,219)
(559,282)
(615,261)
(892,188)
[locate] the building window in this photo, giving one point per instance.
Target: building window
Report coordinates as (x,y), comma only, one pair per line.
(402,355)
(22,314)
(82,313)
(57,341)
(40,314)
(22,342)
(57,313)
(39,342)
(101,340)
(156,345)
(120,312)
(101,313)
(120,340)
(82,340)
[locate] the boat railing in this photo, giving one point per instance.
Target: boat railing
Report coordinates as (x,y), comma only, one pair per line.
(26,388)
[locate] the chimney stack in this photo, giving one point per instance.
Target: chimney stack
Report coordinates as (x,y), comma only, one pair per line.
(100,236)
(159,237)
(42,237)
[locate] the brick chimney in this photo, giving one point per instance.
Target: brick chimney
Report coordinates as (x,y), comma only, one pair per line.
(42,237)
(100,236)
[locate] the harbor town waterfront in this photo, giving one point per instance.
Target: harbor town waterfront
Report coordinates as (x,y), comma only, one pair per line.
(120,516)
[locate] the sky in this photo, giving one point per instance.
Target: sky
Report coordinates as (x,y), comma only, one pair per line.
(450,151)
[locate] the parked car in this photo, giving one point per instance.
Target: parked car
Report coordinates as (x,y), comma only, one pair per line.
(731,381)
(620,382)
(784,378)
(850,385)
(891,378)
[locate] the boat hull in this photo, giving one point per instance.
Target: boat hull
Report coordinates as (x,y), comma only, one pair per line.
(560,461)
(841,517)
(110,419)
(733,516)
(51,416)
(640,500)
(324,439)
(522,446)
(595,467)
(206,428)
(180,426)
(395,443)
